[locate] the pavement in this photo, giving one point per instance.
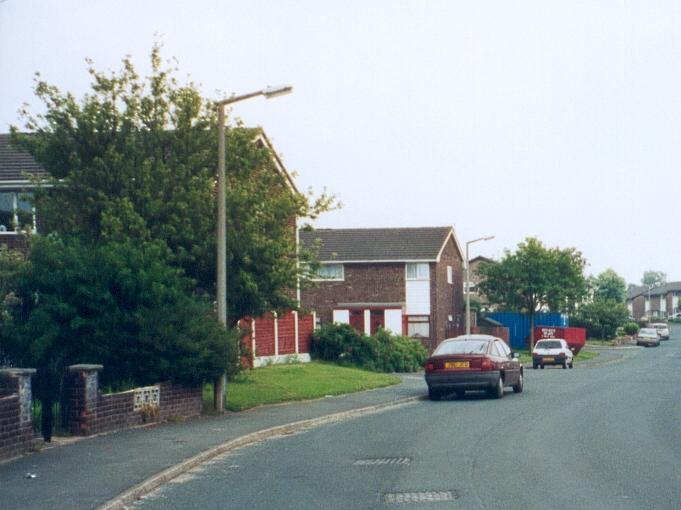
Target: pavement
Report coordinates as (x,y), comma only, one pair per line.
(92,472)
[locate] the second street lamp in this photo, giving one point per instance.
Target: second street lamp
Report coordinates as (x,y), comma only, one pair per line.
(221,288)
(468,284)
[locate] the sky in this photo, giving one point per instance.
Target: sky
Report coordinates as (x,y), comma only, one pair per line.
(554,119)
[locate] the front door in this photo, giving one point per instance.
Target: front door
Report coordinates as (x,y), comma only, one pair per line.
(357,320)
(377,320)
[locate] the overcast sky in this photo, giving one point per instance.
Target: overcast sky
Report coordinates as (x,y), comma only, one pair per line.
(554,119)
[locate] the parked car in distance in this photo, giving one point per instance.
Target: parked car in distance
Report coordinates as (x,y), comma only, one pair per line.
(647,337)
(473,362)
(552,352)
(662,329)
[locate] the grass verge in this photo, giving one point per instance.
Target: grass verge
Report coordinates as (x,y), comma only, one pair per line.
(601,343)
(300,381)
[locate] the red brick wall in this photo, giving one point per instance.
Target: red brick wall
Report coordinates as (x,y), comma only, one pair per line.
(305,330)
(14,241)
(116,411)
(15,438)
(446,298)
(364,283)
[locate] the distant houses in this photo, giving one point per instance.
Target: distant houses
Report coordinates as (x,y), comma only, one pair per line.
(659,302)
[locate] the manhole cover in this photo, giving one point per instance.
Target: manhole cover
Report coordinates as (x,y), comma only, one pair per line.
(397,498)
(380,462)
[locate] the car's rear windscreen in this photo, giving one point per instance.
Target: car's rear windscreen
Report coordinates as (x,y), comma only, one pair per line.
(548,345)
(462,347)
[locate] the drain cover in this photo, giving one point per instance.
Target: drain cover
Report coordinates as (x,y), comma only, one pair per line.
(397,498)
(379,462)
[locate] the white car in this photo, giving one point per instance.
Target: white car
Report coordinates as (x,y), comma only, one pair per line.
(648,337)
(662,330)
(552,351)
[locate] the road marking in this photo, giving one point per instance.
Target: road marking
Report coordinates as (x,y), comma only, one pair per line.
(382,461)
(398,498)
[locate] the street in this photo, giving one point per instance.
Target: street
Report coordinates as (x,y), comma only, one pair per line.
(603,436)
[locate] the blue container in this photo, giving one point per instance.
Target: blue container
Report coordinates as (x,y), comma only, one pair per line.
(518,325)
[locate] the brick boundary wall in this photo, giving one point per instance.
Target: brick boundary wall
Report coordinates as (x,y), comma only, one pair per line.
(91,412)
(276,337)
(16,412)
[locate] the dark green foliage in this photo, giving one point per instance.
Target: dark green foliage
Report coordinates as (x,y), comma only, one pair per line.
(631,328)
(136,159)
(117,304)
(608,285)
(601,318)
(382,352)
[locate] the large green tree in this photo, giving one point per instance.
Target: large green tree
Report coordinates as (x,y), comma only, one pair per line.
(601,317)
(608,285)
(136,158)
(535,278)
(654,278)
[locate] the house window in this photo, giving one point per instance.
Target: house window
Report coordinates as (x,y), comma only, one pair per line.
(418,325)
(418,272)
(330,272)
(450,275)
(16,213)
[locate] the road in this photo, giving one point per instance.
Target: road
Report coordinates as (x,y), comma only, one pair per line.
(606,436)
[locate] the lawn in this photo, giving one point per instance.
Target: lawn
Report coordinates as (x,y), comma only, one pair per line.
(299,381)
(601,343)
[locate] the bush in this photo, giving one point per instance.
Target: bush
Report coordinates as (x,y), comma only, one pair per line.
(383,352)
(631,328)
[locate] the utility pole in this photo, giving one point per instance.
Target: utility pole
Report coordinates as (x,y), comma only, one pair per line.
(468,284)
(220,385)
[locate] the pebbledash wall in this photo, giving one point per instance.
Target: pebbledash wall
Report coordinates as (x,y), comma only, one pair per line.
(91,412)
(276,338)
(16,412)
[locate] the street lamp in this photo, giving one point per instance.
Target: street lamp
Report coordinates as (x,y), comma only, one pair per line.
(468,283)
(269,93)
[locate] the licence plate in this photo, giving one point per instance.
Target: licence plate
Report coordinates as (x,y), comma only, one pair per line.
(549,358)
(457,364)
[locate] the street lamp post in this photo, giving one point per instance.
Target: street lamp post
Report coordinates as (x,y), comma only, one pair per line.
(269,93)
(468,283)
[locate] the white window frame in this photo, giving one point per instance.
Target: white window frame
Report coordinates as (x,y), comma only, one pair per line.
(15,214)
(450,275)
(422,270)
(319,278)
(421,320)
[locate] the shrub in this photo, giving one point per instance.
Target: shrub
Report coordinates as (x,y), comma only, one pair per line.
(631,328)
(383,352)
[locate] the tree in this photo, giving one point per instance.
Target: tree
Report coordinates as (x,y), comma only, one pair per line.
(608,285)
(118,304)
(136,159)
(653,278)
(601,317)
(535,278)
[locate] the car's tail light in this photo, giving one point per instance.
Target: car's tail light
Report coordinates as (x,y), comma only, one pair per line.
(430,366)
(486,364)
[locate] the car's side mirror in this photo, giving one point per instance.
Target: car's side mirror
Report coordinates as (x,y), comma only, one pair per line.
(572,349)
(515,355)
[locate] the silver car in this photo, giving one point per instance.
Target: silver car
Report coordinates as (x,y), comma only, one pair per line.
(648,337)
(662,330)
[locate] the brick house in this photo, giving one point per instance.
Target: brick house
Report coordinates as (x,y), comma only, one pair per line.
(407,280)
(17,169)
(660,302)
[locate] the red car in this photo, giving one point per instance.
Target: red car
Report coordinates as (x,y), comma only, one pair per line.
(473,362)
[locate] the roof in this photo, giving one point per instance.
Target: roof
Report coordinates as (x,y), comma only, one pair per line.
(657,291)
(422,244)
(481,258)
(16,165)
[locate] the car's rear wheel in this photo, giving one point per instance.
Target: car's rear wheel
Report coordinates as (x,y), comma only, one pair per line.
(518,388)
(565,364)
(541,366)
(534,366)
(434,394)
(498,390)
(572,363)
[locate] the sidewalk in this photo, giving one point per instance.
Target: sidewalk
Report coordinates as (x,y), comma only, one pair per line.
(90,472)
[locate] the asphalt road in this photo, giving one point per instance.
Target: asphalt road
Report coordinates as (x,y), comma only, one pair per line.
(606,436)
